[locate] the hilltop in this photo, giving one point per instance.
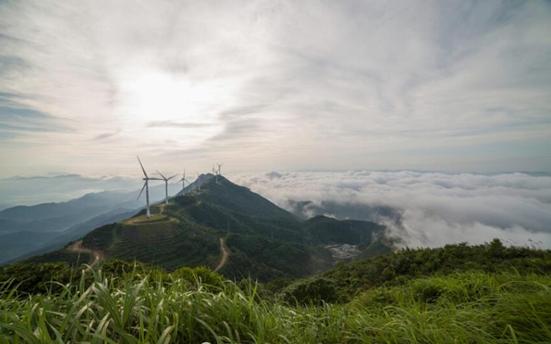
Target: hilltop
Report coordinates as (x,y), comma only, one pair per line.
(213,216)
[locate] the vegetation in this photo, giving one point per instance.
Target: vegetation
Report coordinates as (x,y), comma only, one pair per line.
(160,291)
(350,279)
(476,294)
(265,241)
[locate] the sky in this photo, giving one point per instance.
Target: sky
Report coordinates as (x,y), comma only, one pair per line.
(448,86)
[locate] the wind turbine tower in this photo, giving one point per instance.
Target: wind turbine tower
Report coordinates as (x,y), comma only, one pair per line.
(145,186)
(166,184)
(218,171)
(183,180)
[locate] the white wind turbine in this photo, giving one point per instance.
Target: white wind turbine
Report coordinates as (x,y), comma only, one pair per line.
(217,170)
(183,180)
(145,186)
(166,184)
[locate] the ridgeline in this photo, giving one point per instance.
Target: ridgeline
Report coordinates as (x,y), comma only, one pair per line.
(265,241)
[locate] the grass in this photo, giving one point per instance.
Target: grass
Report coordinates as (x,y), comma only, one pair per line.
(196,306)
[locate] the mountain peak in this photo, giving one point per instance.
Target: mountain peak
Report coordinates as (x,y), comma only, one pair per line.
(217,189)
(209,182)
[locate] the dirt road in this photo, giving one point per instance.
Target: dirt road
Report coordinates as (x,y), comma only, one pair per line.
(225,254)
(77,247)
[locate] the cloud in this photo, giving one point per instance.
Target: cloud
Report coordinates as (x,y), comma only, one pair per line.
(161,124)
(423,208)
(105,136)
(455,85)
(17,119)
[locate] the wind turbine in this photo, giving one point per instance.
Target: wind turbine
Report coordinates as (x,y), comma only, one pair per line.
(166,185)
(217,170)
(183,180)
(145,186)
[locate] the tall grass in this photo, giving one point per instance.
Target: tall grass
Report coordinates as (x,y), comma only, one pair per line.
(149,308)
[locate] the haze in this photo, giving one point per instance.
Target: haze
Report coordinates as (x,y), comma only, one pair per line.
(263,85)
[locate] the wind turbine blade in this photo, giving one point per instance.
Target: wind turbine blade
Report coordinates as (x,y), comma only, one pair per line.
(143,169)
(169,178)
(143,187)
(159,172)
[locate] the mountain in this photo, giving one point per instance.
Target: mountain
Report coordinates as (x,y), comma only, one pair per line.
(19,190)
(214,215)
(29,230)
(18,246)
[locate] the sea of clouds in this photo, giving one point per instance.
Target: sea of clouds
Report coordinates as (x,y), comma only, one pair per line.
(427,209)
(419,208)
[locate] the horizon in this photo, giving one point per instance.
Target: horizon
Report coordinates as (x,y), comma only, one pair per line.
(238,172)
(435,208)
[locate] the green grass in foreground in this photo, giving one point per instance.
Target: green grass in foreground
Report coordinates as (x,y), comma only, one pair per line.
(146,307)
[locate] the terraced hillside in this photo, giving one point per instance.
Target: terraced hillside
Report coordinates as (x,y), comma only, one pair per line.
(263,240)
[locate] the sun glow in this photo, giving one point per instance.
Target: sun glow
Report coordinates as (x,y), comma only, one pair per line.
(159,105)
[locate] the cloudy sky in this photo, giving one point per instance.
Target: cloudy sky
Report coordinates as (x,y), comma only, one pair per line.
(262,85)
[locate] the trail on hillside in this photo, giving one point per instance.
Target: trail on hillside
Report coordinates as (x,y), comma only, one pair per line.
(225,252)
(77,247)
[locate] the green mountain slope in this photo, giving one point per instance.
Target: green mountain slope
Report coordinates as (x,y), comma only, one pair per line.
(345,281)
(26,231)
(264,241)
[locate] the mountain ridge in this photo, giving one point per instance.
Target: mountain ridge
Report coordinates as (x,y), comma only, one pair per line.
(30,229)
(265,241)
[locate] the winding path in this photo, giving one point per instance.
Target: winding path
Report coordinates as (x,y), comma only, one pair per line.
(77,247)
(225,251)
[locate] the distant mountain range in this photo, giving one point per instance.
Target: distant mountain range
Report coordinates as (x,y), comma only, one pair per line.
(57,188)
(213,216)
(29,230)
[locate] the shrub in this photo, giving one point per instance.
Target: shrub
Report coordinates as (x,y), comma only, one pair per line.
(199,276)
(311,291)
(42,278)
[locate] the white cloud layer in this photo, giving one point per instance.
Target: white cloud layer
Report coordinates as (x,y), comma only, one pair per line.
(440,85)
(435,208)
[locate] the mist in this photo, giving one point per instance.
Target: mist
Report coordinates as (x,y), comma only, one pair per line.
(422,209)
